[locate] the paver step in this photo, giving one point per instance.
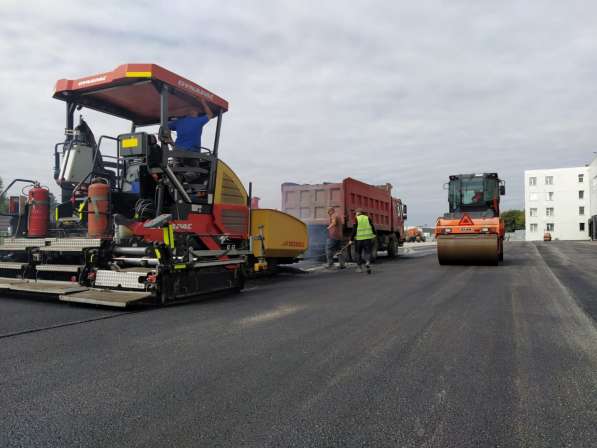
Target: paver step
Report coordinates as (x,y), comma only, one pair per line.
(17,266)
(58,267)
(41,286)
(71,244)
(119,299)
(10,244)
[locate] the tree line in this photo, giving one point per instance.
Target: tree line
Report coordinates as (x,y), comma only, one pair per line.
(513,220)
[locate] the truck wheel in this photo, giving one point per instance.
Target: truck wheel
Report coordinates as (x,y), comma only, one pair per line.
(392,248)
(374,251)
(352,253)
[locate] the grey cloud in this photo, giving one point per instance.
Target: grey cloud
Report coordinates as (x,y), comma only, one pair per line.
(398,92)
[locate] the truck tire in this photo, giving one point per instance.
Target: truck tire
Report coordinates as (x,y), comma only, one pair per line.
(374,251)
(351,253)
(393,248)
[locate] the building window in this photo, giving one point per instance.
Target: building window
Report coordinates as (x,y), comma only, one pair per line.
(581,178)
(533,227)
(533,196)
(549,196)
(532,212)
(581,226)
(549,211)
(581,194)
(548,180)
(532,181)
(581,211)
(549,226)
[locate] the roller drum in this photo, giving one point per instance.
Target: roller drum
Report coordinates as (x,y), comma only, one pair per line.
(468,249)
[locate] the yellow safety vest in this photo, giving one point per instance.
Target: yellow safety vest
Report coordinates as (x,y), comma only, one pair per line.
(364,230)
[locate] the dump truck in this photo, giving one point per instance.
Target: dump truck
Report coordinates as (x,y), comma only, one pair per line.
(153,222)
(310,203)
(472,231)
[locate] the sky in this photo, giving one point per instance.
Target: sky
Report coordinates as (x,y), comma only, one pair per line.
(382,91)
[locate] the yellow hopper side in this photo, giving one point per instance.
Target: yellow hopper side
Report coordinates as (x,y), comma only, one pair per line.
(284,235)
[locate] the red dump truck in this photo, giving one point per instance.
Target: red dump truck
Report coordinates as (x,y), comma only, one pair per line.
(310,202)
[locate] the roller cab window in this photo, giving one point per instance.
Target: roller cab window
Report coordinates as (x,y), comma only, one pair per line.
(472,191)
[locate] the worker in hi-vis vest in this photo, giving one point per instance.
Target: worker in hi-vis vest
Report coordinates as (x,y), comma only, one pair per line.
(363,235)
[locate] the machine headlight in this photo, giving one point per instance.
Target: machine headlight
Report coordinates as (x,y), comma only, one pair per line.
(447,230)
(485,230)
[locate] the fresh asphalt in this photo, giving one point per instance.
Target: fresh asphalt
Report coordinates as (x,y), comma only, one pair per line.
(415,355)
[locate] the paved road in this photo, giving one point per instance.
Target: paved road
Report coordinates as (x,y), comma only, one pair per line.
(415,355)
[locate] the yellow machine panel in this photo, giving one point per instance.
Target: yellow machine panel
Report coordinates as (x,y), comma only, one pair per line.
(284,235)
(229,188)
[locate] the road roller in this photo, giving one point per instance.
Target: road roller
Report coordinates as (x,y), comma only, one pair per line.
(138,219)
(472,232)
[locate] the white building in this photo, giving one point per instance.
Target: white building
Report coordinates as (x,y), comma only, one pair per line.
(593,194)
(561,201)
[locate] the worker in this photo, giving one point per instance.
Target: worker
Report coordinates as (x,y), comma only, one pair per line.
(190,127)
(188,138)
(363,236)
(334,239)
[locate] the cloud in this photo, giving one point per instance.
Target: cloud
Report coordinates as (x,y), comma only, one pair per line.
(399,92)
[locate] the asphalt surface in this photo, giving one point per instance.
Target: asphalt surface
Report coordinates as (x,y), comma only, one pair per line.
(415,355)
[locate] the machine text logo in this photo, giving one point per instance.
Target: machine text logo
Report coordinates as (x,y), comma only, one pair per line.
(183,226)
(91,81)
(194,89)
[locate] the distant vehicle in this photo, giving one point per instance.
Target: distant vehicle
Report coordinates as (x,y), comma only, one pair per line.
(415,234)
(547,236)
(310,203)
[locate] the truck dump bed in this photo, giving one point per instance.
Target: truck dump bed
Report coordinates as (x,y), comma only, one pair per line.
(310,203)
(375,201)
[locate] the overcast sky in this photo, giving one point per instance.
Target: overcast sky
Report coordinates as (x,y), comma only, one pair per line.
(394,91)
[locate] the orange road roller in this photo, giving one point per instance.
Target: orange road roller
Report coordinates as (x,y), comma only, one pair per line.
(472,232)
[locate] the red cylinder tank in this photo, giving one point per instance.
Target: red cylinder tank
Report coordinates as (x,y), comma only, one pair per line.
(39,211)
(98,210)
